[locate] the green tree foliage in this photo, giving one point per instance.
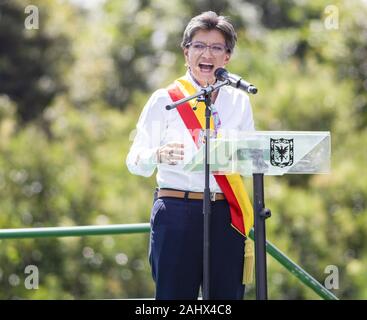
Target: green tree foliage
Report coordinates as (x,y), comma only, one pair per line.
(38,57)
(67,166)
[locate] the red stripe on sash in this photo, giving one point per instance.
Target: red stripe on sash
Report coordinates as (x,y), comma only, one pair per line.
(236,212)
(187,114)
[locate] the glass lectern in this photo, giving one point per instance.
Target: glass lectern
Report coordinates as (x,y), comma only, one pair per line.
(262,153)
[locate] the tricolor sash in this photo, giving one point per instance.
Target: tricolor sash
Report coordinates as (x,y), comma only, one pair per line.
(242,217)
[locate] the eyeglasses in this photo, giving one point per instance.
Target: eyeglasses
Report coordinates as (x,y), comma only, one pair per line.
(216,49)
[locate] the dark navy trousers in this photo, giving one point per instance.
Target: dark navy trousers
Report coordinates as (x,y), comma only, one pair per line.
(176,250)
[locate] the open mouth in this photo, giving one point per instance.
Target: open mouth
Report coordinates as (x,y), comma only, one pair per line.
(206,67)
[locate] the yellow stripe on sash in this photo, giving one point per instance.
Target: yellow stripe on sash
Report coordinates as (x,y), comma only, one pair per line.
(188,90)
(242,197)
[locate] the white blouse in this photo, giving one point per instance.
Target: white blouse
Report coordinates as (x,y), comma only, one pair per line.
(158,126)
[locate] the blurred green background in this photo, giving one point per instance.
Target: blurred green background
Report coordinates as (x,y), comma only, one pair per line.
(72,90)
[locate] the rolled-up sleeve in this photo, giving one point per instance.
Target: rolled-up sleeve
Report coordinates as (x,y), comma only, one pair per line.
(142,157)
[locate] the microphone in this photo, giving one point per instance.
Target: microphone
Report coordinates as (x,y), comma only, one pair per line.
(234,80)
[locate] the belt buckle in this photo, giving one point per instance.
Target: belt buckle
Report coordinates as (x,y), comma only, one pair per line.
(212,196)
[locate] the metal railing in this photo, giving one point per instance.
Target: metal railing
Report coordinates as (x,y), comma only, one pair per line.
(291,266)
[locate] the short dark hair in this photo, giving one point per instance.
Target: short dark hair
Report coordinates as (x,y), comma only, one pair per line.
(209,20)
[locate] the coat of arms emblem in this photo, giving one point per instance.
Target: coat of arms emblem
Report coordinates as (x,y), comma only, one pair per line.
(281,152)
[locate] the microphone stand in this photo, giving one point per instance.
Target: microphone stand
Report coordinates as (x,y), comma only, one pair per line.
(205,96)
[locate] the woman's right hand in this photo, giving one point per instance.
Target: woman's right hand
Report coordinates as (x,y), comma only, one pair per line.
(170,153)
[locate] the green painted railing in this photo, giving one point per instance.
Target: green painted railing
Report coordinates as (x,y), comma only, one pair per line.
(292,267)
(74,231)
